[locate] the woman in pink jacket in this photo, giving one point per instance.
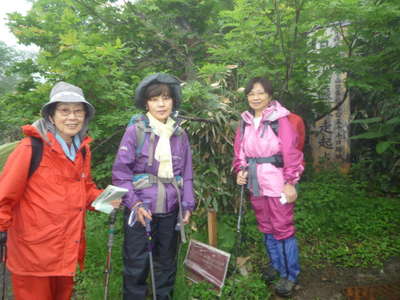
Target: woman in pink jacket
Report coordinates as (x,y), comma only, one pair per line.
(266,158)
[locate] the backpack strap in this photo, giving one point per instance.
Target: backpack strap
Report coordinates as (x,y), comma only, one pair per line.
(37,152)
(151,149)
(83,152)
(274,126)
(142,127)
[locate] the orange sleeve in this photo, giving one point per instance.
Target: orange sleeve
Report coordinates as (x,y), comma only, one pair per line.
(13,180)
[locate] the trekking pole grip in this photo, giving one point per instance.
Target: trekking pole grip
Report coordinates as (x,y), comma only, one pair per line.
(240,208)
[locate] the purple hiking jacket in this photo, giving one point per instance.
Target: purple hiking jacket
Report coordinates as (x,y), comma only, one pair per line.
(126,165)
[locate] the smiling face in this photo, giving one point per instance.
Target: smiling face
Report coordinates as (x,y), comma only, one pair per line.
(159,101)
(69,118)
(258,99)
(160,107)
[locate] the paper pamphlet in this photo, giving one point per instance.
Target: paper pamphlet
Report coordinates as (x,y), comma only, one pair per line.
(102,202)
(283,198)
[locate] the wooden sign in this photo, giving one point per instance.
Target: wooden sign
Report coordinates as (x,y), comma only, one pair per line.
(206,263)
(330,141)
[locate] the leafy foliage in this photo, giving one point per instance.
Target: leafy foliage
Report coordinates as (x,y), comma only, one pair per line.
(339,223)
(8,56)
(214,46)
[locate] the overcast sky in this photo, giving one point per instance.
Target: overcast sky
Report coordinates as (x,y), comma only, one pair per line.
(8,6)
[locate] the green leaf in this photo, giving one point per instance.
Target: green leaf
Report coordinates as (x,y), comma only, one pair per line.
(367,121)
(369,135)
(382,147)
(395,120)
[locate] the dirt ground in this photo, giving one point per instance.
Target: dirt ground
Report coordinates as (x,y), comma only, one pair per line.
(330,283)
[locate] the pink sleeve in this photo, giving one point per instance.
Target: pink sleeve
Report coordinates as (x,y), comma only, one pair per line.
(239,159)
(292,157)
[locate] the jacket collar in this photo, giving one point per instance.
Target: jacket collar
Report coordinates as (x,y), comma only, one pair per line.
(49,138)
(273,112)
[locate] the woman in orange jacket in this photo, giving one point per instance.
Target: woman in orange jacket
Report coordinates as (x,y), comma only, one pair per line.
(42,214)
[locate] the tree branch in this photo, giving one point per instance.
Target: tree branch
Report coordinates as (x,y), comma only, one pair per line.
(108,139)
(333,108)
(195,119)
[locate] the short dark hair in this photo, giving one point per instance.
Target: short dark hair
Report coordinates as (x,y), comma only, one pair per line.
(266,84)
(52,108)
(157,89)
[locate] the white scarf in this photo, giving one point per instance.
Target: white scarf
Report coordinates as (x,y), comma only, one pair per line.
(163,148)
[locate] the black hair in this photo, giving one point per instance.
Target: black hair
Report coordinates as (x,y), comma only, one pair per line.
(266,84)
(157,89)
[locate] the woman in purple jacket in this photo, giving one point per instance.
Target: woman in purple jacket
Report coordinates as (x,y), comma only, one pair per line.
(267,159)
(154,163)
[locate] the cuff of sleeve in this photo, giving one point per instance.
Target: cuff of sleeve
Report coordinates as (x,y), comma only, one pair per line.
(187,208)
(133,215)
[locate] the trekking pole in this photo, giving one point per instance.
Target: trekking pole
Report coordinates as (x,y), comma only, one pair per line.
(149,248)
(111,231)
(240,210)
(3,254)
(238,225)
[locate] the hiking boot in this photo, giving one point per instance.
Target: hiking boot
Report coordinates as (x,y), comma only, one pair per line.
(284,287)
(270,274)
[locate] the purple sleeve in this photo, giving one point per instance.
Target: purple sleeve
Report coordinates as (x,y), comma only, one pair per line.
(188,202)
(122,170)
(292,157)
(239,159)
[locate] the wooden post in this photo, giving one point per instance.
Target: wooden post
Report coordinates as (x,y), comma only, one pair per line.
(212,227)
(329,137)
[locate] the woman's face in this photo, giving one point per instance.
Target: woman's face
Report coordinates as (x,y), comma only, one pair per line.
(258,99)
(160,107)
(68,119)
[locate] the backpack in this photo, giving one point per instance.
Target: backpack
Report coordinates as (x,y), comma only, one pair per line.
(297,124)
(143,127)
(37,152)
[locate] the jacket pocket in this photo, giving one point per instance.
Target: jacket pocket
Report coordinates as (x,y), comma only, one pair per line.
(37,235)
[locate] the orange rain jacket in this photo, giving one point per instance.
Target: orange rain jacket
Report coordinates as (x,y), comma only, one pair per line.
(45,214)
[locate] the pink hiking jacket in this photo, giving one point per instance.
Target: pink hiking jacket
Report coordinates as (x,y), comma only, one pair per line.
(255,143)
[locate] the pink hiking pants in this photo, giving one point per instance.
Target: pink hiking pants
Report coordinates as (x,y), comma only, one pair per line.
(273,217)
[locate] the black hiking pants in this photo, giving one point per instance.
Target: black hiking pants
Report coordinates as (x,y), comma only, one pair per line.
(136,257)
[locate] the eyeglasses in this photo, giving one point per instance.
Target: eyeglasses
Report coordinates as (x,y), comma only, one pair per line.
(252,95)
(66,112)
